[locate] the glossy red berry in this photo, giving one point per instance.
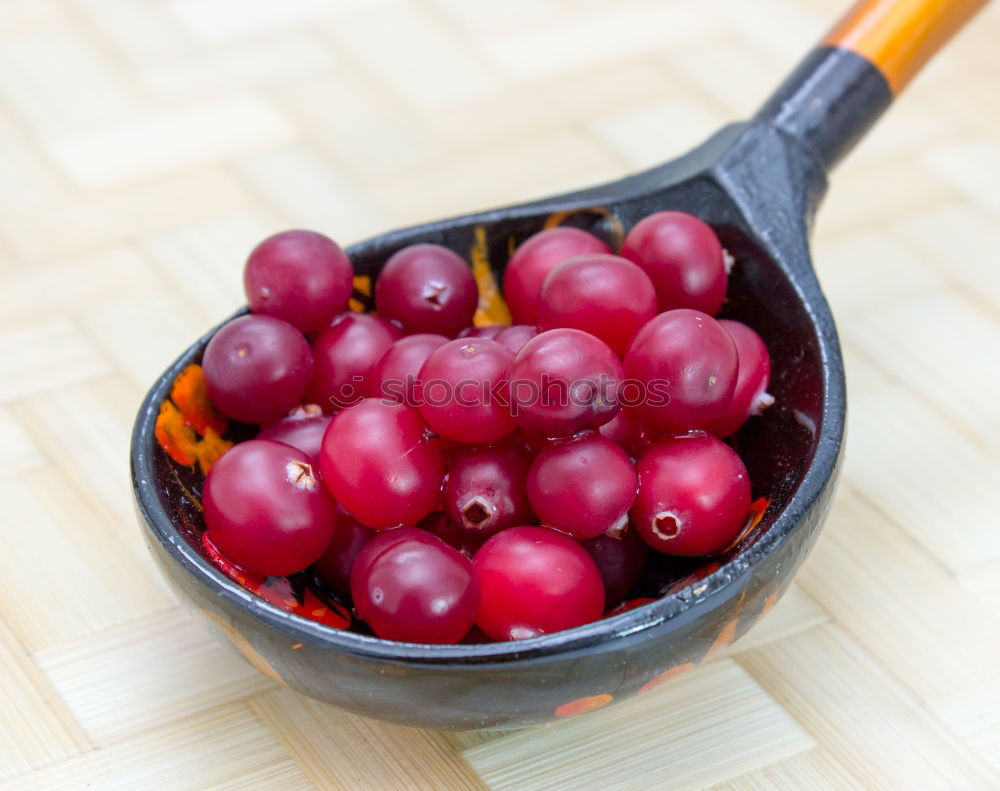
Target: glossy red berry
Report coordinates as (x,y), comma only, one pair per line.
(257,368)
(694,496)
(621,560)
(486,489)
(684,259)
(396,375)
(453,534)
(627,431)
(534,259)
(346,352)
(302,429)
(564,381)
(515,336)
(750,396)
(535,581)
(427,288)
(583,487)
(464,391)
(482,332)
(266,510)
(687,366)
(604,295)
(335,564)
(416,589)
(301,277)
(378,464)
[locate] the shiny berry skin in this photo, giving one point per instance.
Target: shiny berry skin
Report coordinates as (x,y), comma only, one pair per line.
(427,288)
(345,353)
(396,375)
(266,510)
(750,396)
(583,487)
(694,496)
(464,391)
(335,564)
(378,464)
(534,259)
(301,277)
(626,430)
(564,381)
(604,295)
(416,589)
(453,534)
(256,368)
(302,429)
(688,367)
(621,561)
(381,541)
(515,336)
(684,259)
(535,581)
(482,332)
(486,489)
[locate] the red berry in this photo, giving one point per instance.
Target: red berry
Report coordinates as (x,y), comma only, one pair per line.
(397,373)
(621,561)
(535,581)
(515,336)
(687,365)
(301,277)
(583,487)
(750,396)
(486,489)
(256,368)
(416,589)
(684,259)
(564,381)
(626,430)
(694,495)
(427,288)
(604,295)
(453,534)
(265,509)
(534,259)
(378,463)
(302,429)
(335,564)
(346,353)
(464,391)
(482,332)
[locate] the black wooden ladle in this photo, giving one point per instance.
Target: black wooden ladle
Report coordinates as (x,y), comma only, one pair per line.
(758,184)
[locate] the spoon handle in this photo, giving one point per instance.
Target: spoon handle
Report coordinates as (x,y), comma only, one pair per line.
(842,87)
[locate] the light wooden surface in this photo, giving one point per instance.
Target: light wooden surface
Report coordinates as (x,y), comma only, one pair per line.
(145,145)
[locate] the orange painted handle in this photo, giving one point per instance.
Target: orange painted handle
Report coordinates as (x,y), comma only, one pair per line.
(900,36)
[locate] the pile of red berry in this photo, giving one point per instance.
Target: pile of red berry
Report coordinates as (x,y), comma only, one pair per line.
(510,478)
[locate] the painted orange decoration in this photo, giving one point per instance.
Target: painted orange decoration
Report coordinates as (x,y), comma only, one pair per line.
(188,427)
(616,226)
(757,509)
(665,676)
(362,286)
(492,308)
(723,641)
(769,603)
(900,36)
(278,591)
(241,644)
(583,705)
(334,616)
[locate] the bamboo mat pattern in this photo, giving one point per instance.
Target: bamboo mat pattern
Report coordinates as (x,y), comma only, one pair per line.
(146,145)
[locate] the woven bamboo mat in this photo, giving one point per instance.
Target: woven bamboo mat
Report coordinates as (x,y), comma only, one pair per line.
(145,145)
